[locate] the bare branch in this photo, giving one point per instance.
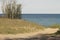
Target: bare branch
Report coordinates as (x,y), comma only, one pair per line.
(11,9)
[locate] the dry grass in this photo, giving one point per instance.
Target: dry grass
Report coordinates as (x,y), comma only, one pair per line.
(15,26)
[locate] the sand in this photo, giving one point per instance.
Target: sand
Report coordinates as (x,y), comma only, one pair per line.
(27,35)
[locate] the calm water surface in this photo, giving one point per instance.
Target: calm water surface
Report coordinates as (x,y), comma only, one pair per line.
(43,19)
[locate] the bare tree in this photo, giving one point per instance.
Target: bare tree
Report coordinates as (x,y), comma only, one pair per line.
(12,9)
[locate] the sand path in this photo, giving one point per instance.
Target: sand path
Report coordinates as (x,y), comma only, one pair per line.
(27,35)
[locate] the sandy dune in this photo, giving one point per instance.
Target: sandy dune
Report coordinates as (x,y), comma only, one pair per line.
(26,35)
(49,30)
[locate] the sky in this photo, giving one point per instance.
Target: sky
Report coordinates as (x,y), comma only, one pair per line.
(39,6)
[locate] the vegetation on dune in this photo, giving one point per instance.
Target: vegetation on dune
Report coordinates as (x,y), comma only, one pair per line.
(14,26)
(12,23)
(56,26)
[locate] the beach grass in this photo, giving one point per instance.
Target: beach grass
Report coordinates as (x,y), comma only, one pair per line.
(55,26)
(16,26)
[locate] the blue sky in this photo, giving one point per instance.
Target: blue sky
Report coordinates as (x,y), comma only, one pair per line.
(39,6)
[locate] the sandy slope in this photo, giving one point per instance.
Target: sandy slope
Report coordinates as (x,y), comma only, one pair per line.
(26,35)
(15,26)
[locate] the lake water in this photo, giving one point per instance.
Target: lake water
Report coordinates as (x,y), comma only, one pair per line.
(42,19)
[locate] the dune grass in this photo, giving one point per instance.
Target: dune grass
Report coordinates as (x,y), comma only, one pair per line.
(16,26)
(55,26)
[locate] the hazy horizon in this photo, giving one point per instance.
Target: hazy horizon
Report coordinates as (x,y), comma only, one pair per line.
(39,6)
